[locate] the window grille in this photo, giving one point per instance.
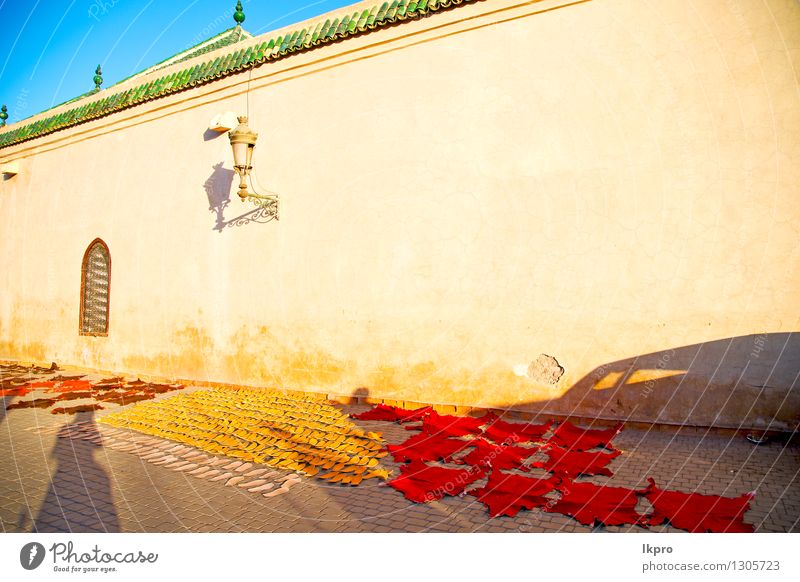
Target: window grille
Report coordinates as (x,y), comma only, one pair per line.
(95,286)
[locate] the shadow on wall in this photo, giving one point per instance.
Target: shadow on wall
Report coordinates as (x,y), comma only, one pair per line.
(218,190)
(210,134)
(747,381)
(79,497)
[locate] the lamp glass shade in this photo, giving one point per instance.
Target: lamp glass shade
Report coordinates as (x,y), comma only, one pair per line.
(243,140)
(240,154)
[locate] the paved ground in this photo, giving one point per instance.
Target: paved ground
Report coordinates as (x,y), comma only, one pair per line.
(52,481)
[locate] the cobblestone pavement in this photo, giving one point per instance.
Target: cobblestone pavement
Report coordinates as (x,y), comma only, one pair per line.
(51,481)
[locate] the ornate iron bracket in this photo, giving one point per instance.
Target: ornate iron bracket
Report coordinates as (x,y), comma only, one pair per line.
(266,210)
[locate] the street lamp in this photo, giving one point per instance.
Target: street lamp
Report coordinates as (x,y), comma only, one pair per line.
(243,141)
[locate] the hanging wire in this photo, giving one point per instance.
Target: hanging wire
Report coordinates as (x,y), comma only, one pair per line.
(251,174)
(247,94)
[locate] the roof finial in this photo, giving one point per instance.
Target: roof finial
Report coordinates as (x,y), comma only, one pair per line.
(238,16)
(3,115)
(98,78)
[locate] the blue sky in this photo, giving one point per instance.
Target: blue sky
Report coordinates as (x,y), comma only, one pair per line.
(49,49)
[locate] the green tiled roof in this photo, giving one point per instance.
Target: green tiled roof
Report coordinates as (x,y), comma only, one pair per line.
(226,38)
(333,29)
(233,36)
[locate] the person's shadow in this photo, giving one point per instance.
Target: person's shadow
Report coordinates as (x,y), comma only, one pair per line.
(5,401)
(79,498)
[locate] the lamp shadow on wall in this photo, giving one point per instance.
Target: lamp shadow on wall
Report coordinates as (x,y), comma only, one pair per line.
(218,190)
(79,497)
(747,381)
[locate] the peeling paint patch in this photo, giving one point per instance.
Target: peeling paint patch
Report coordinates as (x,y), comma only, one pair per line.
(545,369)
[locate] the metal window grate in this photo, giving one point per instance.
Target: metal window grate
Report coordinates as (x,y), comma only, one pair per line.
(95,289)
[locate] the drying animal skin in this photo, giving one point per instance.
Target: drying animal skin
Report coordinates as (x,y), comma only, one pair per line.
(589,503)
(423,483)
(571,437)
(569,463)
(501,431)
(491,456)
(698,513)
(426,447)
(506,494)
(454,426)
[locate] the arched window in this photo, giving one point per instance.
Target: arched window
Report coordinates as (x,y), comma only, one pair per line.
(95,289)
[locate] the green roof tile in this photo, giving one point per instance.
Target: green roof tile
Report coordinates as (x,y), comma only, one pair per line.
(214,67)
(325,28)
(226,63)
(146,90)
(275,44)
(180,82)
(301,38)
(351,27)
(362,20)
(262,49)
(371,18)
(204,69)
(136,93)
(285,43)
(249,54)
(332,29)
(382,12)
(170,82)
(315,34)
(236,59)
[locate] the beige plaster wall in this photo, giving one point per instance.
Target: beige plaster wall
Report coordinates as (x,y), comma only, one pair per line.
(613,183)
